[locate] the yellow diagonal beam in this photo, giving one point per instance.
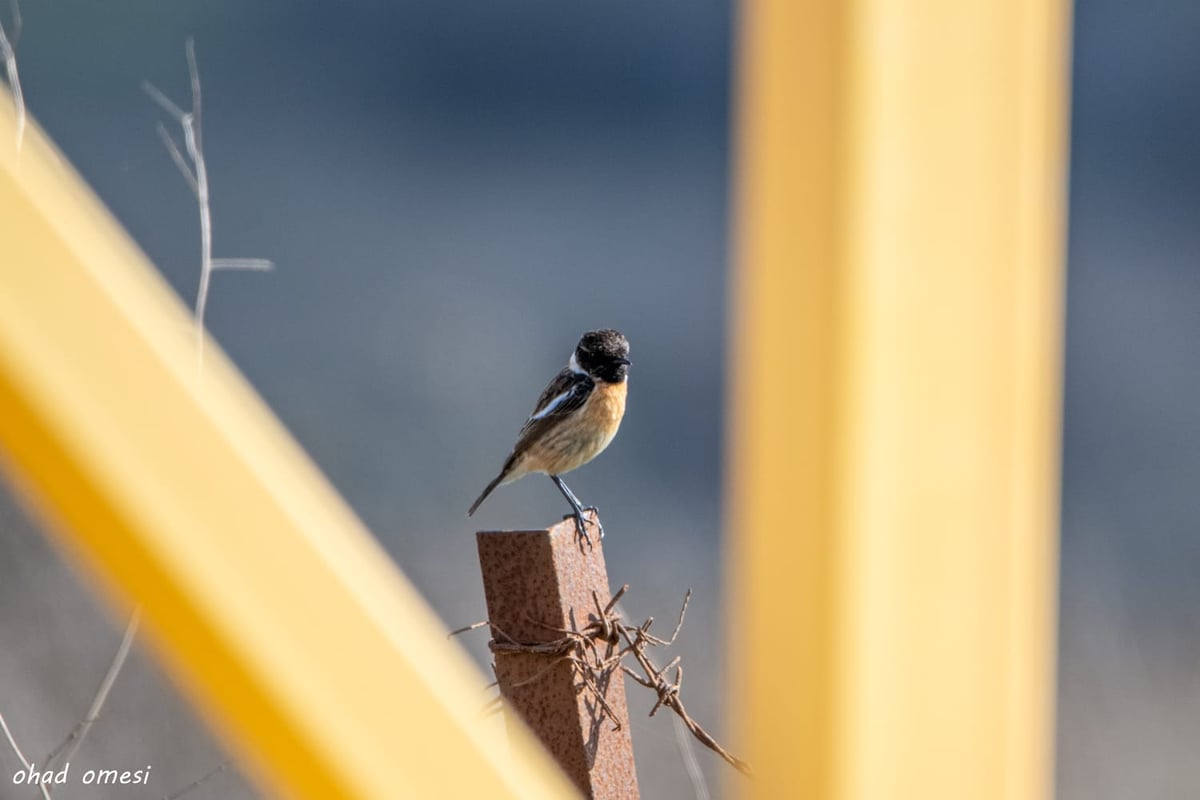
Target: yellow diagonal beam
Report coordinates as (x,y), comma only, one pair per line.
(895,374)
(265,597)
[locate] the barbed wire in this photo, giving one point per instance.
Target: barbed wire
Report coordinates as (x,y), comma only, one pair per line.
(605,645)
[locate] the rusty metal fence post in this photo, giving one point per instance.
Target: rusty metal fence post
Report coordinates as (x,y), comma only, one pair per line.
(539,584)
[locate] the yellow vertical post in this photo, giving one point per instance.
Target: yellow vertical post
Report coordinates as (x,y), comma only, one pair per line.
(895,379)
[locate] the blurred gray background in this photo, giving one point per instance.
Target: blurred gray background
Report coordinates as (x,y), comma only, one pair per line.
(454,191)
(1129,671)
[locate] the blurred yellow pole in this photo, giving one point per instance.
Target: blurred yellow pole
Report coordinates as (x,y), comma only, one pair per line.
(895,381)
(270,603)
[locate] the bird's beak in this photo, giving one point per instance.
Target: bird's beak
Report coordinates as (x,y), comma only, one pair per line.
(624,361)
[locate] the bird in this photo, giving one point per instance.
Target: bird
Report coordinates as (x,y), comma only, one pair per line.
(575,419)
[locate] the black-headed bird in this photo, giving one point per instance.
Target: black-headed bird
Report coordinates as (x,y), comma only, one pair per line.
(576,417)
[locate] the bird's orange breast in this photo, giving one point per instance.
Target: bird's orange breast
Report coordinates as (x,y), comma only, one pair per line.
(582,436)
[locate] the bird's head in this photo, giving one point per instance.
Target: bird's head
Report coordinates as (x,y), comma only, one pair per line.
(604,355)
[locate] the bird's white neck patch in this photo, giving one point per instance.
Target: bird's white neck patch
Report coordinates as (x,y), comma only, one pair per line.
(573,365)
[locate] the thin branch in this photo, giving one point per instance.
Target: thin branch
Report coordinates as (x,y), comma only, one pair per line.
(21,756)
(8,51)
(164,102)
(194,72)
(191,787)
(190,161)
(192,139)
(74,740)
(251,264)
(177,156)
(196,176)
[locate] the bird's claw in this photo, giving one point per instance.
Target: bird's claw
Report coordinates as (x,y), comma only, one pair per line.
(599,524)
(581,526)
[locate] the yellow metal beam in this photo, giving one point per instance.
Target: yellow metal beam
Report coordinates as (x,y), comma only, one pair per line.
(895,396)
(266,598)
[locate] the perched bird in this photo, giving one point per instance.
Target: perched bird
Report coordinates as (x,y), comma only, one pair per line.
(576,417)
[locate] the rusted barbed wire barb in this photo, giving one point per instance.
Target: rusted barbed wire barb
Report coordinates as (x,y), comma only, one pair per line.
(467,629)
(687,598)
(568,648)
(668,695)
(579,648)
(589,677)
(535,677)
(493,706)
(573,647)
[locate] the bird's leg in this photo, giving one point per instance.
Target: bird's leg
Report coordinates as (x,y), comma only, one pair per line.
(578,509)
(593,509)
(577,503)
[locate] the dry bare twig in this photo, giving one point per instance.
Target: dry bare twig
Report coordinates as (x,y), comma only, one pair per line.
(189,159)
(74,740)
(8,51)
(12,741)
(196,784)
(198,181)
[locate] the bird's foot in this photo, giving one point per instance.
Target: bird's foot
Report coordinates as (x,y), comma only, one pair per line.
(599,524)
(581,533)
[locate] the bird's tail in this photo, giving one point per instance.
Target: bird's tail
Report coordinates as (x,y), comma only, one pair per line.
(490,487)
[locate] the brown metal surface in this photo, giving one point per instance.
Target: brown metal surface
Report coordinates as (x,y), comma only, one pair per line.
(536,582)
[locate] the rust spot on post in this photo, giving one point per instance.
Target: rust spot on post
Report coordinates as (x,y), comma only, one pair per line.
(535,582)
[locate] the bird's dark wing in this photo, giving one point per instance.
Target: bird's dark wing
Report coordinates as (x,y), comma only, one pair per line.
(562,396)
